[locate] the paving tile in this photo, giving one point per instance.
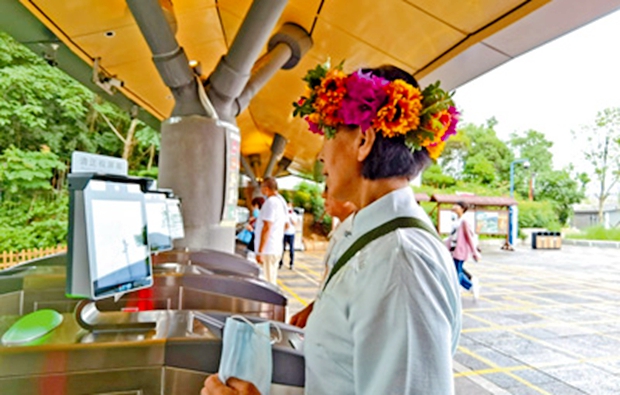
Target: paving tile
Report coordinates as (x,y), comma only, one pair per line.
(465,386)
(553,316)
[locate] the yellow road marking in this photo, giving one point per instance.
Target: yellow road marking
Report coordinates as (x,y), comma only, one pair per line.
(508,372)
(293,293)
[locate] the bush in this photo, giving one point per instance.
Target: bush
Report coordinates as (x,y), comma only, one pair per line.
(538,215)
(434,176)
(597,233)
(309,197)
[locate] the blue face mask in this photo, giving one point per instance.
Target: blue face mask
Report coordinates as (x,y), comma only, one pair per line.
(246,352)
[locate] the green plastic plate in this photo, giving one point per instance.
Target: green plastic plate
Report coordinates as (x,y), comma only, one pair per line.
(31,327)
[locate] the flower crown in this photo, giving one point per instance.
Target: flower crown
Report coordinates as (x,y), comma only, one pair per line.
(393,108)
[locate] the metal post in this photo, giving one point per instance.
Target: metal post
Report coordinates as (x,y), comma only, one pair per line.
(513,211)
(512,179)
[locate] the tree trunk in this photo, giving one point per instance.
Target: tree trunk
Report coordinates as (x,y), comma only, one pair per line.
(128,143)
(151,157)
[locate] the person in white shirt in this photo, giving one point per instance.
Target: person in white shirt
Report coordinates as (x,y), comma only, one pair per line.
(289,235)
(388,318)
(269,230)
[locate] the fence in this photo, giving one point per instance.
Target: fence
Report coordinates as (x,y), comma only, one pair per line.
(11,258)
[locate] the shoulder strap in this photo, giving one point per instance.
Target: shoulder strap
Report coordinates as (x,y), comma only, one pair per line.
(388,227)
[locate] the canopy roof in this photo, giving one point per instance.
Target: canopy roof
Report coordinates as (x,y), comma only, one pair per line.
(451,40)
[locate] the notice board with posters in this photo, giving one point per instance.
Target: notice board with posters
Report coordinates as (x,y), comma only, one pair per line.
(491,222)
(486,222)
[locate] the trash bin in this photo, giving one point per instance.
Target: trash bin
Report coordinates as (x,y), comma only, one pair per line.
(546,240)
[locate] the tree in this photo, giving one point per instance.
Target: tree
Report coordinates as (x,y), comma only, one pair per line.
(32,213)
(41,105)
(562,190)
(435,177)
(44,116)
(486,158)
(602,151)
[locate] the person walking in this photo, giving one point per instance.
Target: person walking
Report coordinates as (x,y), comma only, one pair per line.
(257,204)
(289,235)
(463,245)
(269,230)
(387,319)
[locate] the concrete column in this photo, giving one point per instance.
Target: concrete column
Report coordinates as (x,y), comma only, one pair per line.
(193,164)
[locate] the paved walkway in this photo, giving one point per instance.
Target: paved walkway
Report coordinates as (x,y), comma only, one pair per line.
(547,321)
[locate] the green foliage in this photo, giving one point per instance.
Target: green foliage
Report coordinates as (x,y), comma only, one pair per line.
(538,215)
(36,224)
(153,172)
(561,189)
(32,213)
(42,106)
(434,176)
(597,233)
(25,173)
(309,197)
(480,169)
(491,156)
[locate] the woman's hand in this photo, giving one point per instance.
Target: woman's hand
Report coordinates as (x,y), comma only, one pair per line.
(213,386)
(300,319)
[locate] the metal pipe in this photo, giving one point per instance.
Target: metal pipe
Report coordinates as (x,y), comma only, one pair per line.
(233,70)
(277,149)
(283,164)
(265,68)
(170,59)
(248,170)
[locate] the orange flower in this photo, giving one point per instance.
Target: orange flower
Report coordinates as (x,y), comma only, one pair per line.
(438,124)
(401,114)
(329,96)
(435,150)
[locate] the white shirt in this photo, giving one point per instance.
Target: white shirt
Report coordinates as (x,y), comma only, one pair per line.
(342,229)
(389,320)
(274,211)
(291,220)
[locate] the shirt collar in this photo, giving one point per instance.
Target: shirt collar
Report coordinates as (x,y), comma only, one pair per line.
(398,203)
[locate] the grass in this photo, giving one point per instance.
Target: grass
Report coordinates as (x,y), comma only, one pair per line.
(597,233)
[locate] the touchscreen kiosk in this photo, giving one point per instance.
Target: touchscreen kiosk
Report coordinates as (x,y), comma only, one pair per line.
(158,222)
(176,218)
(108,241)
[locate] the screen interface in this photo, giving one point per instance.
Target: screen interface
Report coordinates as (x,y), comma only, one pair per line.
(158,223)
(120,244)
(176,219)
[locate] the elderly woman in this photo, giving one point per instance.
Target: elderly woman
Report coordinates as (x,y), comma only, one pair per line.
(388,318)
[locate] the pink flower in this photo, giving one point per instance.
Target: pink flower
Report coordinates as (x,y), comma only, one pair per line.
(314,127)
(454,119)
(365,95)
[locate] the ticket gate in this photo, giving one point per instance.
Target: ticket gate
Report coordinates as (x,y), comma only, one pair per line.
(173,358)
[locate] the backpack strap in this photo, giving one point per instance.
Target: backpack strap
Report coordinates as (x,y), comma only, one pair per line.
(388,227)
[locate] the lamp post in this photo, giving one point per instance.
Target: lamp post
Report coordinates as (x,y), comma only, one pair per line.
(513,213)
(526,164)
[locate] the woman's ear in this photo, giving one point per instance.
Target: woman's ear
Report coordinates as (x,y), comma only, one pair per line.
(366,141)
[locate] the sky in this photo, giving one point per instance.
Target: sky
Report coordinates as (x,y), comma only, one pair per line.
(552,89)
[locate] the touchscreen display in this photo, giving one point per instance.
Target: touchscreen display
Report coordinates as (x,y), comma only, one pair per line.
(158,224)
(121,252)
(176,219)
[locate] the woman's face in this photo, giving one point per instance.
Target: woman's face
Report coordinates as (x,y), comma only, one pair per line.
(458,210)
(341,167)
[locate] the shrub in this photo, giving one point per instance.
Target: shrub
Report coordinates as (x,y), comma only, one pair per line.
(597,233)
(538,215)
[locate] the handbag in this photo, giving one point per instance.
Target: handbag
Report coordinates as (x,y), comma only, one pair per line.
(244,236)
